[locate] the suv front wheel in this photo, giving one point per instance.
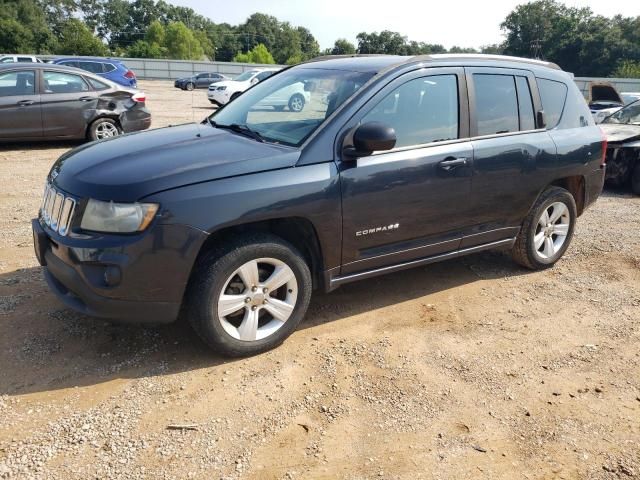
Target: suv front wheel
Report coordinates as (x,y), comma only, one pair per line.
(249,297)
(547,231)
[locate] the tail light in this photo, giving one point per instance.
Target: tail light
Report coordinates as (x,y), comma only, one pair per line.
(139,97)
(604,148)
(130,74)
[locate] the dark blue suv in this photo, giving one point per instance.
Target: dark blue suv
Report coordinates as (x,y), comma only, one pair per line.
(397,162)
(108,68)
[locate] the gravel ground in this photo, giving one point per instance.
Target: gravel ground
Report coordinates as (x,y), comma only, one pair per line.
(472,368)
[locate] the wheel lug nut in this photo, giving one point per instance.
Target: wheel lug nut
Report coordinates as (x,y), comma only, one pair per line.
(254,289)
(265,290)
(254,307)
(264,302)
(247,300)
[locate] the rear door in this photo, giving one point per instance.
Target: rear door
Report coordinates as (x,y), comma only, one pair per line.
(20,114)
(513,157)
(68,104)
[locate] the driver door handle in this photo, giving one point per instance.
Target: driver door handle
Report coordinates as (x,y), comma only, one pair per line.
(451,163)
(85,99)
(25,103)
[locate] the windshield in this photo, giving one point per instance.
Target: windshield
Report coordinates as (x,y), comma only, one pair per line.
(627,115)
(288,107)
(245,76)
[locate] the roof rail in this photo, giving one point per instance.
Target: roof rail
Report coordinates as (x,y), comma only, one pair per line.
(483,56)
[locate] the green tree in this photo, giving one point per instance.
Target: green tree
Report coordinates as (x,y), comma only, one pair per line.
(24,28)
(343,47)
(259,54)
(627,69)
(181,43)
(155,33)
(77,39)
(391,43)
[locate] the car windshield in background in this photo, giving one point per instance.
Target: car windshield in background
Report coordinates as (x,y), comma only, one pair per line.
(245,76)
(290,106)
(626,115)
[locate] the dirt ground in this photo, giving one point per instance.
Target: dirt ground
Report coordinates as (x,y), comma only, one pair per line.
(472,368)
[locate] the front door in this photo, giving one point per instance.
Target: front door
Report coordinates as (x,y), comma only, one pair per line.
(67,104)
(20,115)
(410,202)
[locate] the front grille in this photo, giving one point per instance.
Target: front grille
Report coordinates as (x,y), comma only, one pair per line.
(57,210)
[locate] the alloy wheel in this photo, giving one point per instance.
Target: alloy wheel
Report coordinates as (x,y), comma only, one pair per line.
(552,230)
(257,299)
(106,130)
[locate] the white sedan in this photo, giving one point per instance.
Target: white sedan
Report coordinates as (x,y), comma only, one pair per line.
(220,93)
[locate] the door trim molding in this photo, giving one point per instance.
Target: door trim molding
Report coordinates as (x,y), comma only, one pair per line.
(332,283)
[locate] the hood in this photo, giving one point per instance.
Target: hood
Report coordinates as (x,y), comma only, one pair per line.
(133,166)
(184,79)
(617,133)
(231,83)
(603,92)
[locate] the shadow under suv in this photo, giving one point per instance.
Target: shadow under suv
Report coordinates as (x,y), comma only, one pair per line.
(396,162)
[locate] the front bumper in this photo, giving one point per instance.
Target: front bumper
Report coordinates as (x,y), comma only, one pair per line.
(140,278)
(219,98)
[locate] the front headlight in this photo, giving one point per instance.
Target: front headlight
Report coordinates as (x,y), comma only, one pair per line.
(220,89)
(117,217)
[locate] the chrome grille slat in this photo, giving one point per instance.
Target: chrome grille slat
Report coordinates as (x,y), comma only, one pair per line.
(57,210)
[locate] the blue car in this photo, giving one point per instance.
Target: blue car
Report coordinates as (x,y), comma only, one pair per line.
(109,68)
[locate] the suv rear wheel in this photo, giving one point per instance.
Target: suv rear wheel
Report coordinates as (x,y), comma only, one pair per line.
(547,231)
(250,297)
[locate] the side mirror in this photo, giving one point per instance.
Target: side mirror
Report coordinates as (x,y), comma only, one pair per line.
(371,137)
(540,120)
(254,80)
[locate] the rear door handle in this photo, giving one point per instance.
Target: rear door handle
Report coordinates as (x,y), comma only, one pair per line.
(86,99)
(24,103)
(451,163)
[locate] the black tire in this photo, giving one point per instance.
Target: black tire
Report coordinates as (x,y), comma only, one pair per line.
(296,102)
(234,96)
(524,251)
(97,128)
(189,86)
(210,276)
(635,179)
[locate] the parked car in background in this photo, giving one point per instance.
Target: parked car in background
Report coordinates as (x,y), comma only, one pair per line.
(294,97)
(223,92)
(603,99)
(413,160)
(629,97)
(19,59)
(108,68)
(199,80)
(41,101)
(622,130)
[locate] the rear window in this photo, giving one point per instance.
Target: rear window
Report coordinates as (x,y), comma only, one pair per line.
(496,104)
(553,96)
(97,84)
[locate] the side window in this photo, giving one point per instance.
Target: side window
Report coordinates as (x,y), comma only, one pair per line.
(7,60)
(421,111)
(71,63)
(263,75)
(96,84)
(106,68)
(17,83)
(525,104)
(553,95)
(202,75)
(25,60)
(496,104)
(58,82)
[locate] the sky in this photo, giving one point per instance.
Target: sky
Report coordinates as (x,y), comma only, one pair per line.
(465,23)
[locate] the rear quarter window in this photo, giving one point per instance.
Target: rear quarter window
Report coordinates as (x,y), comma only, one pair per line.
(553,96)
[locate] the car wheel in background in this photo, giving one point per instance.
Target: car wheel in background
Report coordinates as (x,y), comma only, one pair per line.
(190,86)
(547,231)
(249,297)
(104,128)
(296,103)
(635,179)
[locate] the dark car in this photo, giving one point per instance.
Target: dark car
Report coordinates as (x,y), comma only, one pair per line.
(40,101)
(410,161)
(108,68)
(199,80)
(622,130)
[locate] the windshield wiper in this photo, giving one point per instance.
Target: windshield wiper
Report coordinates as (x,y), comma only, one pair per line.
(236,127)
